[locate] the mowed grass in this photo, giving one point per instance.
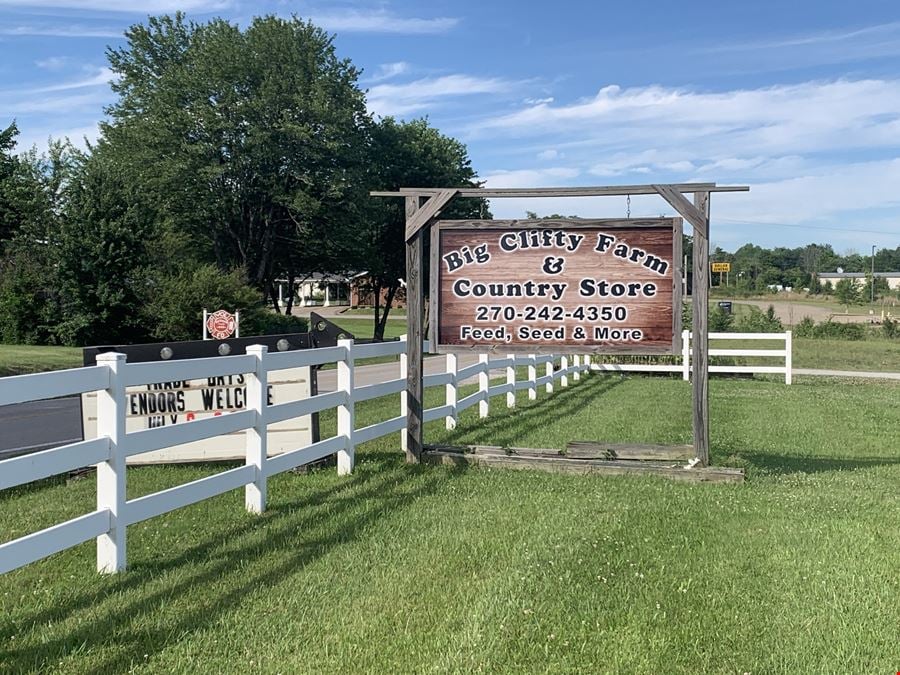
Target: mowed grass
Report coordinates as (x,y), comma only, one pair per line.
(434,569)
(21,359)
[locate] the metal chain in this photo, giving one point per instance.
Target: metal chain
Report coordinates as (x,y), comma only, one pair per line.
(628,206)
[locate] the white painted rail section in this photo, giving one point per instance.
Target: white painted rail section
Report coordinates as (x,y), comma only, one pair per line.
(685,366)
(114,513)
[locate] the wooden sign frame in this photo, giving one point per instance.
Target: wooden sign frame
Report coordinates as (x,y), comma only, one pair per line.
(423,208)
(610,224)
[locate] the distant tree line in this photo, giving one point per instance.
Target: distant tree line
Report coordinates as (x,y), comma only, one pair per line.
(755,269)
(231,158)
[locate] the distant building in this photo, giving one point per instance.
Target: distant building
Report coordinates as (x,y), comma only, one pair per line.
(316,290)
(362,294)
(892,278)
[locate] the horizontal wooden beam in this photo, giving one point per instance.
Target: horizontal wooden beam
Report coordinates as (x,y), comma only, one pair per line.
(596,191)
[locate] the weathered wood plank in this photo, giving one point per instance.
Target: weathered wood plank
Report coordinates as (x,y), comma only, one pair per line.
(428,211)
(694,215)
(595,191)
(588,466)
(632,451)
(414,336)
(700,339)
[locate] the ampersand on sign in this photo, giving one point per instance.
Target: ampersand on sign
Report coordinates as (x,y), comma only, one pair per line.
(553,265)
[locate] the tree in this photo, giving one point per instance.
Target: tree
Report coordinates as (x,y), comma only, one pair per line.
(103,255)
(249,141)
(847,292)
(407,154)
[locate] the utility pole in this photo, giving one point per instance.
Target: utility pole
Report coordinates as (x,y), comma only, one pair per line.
(872,283)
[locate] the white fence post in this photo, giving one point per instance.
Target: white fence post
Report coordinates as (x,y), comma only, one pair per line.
(532,377)
(404,370)
(564,370)
(548,370)
(788,357)
(576,362)
(346,412)
(484,383)
(511,380)
(257,399)
(452,391)
(686,355)
(111,473)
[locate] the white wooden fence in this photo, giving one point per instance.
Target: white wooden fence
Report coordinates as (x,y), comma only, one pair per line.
(114,512)
(110,377)
(685,366)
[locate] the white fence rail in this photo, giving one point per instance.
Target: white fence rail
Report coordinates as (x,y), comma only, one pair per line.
(685,366)
(114,513)
(112,374)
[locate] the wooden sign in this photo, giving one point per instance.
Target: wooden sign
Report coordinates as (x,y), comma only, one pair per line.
(166,403)
(573,285)
(721,267)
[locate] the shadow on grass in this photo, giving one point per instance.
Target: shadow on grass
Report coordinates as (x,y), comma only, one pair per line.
(780,464)
(341,513)
(508,426)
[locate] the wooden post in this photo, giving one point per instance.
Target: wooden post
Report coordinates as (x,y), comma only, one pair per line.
(532,377)
(564,371)
(256,399)
(346,412)
(700,339)
(452,390)
(111,473)
(548,371)
(511,381)
(484,383)
(415,333)
(576,362)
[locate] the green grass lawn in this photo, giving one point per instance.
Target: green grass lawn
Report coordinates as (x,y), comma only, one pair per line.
(20,359)
(438,569)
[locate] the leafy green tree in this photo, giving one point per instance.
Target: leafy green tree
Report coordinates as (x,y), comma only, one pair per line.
(847,292)
(407,154)
(102,258)
(251,141)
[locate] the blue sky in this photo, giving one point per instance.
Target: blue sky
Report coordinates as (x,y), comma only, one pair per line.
(800,100)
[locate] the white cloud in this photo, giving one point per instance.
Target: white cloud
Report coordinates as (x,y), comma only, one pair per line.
(143,7)
(52,63)
(538,101)
(425,93)
(65,31)
(387,71)
(784,119)
(102,77)
(381,21)
(530,177)
(549,154)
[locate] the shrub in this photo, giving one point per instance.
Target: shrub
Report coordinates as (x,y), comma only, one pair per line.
(276,324)
(806,328)
(757,321)
(890,328)
(840,331)
(176,310)
(720,321)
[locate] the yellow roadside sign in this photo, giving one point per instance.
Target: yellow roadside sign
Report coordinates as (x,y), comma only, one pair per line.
(721,267)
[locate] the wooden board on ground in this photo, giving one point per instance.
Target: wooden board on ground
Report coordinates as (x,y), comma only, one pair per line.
(645,451)
(556,461)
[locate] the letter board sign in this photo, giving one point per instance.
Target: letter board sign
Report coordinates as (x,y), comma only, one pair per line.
(573,285)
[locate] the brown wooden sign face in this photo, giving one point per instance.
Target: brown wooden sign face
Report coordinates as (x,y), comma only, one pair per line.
(532,286)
